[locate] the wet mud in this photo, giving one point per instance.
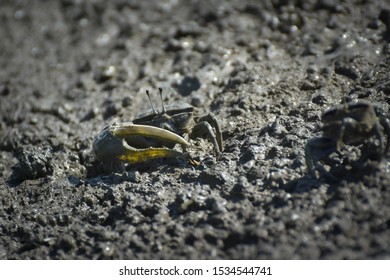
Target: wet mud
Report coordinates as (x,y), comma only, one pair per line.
(267,70)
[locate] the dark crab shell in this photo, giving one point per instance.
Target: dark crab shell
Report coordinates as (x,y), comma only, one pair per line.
(361,111)
(178,118)
(171,110)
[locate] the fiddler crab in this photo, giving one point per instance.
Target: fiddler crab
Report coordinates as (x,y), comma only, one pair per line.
(351,124)
(154,134)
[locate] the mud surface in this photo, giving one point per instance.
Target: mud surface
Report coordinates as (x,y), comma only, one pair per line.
(267,71)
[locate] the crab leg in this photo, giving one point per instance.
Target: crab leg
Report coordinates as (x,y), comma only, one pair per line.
(384,121)
(211,119)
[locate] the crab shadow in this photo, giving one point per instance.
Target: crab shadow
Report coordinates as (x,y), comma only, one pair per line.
(307,182)
(115,173)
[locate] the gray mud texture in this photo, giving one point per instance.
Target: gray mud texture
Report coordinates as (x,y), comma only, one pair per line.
(266,69)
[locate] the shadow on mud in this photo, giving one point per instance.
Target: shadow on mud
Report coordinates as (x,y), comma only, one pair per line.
(308,182)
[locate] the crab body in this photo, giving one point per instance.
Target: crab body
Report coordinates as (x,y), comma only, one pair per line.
(180,119)
(176,119)
(154,135)
(352,123)
(348,124)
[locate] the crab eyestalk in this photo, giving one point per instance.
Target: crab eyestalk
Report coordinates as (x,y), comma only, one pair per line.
(111,145)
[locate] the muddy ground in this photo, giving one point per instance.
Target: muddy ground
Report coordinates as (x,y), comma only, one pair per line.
(266,69)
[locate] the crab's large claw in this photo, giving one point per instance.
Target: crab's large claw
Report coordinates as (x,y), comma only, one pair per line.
(110,144)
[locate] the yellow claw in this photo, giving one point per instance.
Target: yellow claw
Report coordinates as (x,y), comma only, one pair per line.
(133,156)
(110,144)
